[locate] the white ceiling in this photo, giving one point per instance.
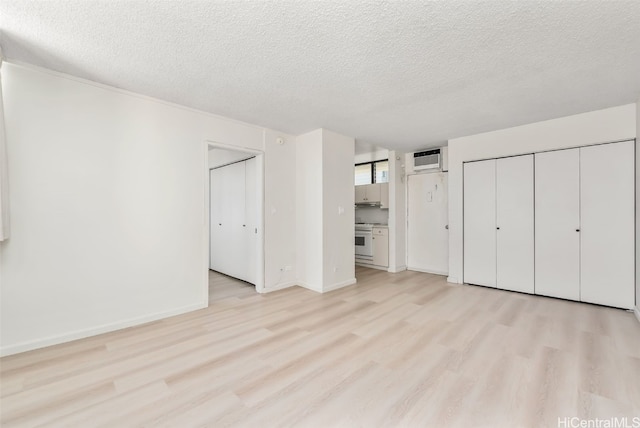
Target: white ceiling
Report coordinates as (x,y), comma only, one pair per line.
(404,75)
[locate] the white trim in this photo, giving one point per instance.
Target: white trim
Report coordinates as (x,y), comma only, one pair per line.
(309,286)
(433,271)
(636,311)
(371,265)
(454,280)
(280,286)
(260,263)
(339,285)
(329,287)
(94,331)
(397,269)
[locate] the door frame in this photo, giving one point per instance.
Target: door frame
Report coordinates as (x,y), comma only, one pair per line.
(259,155)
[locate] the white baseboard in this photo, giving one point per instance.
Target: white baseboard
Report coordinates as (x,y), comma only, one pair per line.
(453,280)
(280,286)
(397,269)
(339,285)
(371,266)
(328,287)
(636,311)
(433,271)
(94,331)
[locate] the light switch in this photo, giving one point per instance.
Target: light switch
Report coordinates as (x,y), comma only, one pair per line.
(340,210)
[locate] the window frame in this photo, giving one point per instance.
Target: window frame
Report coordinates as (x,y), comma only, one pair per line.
(373,169)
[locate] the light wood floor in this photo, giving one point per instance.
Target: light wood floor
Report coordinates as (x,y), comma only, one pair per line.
(403,349)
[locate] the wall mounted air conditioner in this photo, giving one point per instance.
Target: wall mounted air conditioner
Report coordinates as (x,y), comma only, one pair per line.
(428,159)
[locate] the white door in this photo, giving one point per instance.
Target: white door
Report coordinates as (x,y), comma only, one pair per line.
(219,258)
(479,211)
(427,217)
(514,224)
(557,224)
(607,224)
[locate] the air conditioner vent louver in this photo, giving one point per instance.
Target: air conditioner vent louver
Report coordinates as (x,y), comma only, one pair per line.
(429,159)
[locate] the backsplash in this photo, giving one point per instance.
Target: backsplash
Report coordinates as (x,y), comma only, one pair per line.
(365,214)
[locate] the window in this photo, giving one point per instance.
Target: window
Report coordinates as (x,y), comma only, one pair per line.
(382,171)
(363,173)
(372,172)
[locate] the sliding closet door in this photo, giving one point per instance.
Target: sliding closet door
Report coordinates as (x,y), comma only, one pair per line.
(480,223)
(235,244)
(607,224)
(514,221)
(557,224)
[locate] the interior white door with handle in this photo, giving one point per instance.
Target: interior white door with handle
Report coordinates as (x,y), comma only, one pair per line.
(607,224)
(479,212)
(515,224)
(427,217)
(557,224)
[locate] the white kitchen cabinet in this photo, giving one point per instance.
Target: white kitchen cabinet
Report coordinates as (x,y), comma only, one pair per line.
(557,218)
(515,224)
(427,219)
(607,224)
(368,194)
(480,223)
(380,241)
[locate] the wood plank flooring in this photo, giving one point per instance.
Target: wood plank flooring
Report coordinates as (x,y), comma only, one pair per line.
(394,350)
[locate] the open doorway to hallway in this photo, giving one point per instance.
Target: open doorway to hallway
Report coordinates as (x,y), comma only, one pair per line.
(235,189)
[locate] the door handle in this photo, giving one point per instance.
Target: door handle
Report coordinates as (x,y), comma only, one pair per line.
(497,228)
(447,227)
(577,230)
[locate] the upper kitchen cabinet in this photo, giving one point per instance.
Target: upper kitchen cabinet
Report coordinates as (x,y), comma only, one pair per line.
(369,194)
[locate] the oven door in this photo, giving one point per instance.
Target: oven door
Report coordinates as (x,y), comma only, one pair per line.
(364,247)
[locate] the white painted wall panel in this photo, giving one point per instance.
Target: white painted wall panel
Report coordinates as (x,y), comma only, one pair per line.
(427,235)
(515,220)
(122,239)
(557,219)
(607,224)
(480,223)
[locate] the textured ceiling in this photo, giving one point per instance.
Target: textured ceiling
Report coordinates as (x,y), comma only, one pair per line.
(404,75)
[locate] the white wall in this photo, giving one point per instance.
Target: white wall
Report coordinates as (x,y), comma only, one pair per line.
(338,210)
(280,210)
(397,212)
(218,157)
(309,208)
(369,214)
(325,210)
(108,207)
(613,124)
(376,155)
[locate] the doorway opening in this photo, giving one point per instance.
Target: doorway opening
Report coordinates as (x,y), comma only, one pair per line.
(234,218)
